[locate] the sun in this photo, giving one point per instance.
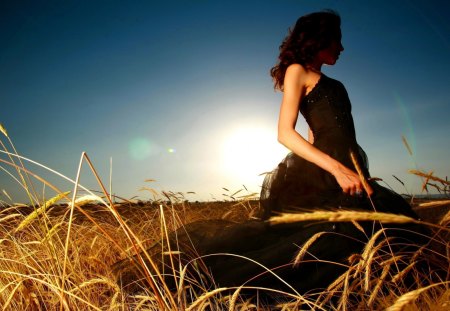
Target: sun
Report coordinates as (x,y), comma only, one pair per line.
(248,151)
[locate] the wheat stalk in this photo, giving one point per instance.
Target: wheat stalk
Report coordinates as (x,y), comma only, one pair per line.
(4,219)
(341,216)
(234,298)
(86,199)
(445,219)
(407,298)
(344,298)
(435,203)
(334,287)
(40,210)
(360,173)
(366,252)
(359,227)
(11,295)
(429,176)
(96,281)
(369,261)
(377,287)
(386,265)
(144,299)
(51,232)
(402,273)
(204,297)
(305,248)
(19,168)
(3,130)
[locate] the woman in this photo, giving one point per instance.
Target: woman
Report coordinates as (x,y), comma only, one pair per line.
(317,175)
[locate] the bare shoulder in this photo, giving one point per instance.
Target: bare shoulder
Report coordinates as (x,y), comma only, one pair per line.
(300,77)
(296,77)
(296,70)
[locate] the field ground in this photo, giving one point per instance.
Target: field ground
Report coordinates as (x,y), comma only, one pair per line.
(44,268)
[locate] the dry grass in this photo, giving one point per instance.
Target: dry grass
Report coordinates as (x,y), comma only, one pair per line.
(32,265)
(59,257)
(342,216)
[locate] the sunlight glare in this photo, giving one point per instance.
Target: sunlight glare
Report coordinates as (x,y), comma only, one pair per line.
(249,151)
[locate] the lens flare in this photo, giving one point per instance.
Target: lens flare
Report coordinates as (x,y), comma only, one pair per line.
(410,135)
(141,148)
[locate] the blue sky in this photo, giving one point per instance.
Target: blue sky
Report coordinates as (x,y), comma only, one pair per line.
(179,91)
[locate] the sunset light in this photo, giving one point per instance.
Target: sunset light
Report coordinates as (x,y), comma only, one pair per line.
(250,150)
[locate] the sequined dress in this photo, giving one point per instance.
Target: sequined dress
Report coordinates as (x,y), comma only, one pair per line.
(299,185)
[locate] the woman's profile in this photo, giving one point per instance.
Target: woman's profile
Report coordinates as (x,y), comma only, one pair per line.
(319,171)
(319,174)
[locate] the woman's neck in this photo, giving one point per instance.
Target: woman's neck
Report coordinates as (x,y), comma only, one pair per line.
(316,62)
(314,67)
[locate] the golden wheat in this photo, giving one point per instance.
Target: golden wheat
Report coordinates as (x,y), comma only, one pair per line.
(376,289)
(435,203)
(234,298)
(344,297)
(305,247)
(8,217)
(446,219)
(386,268)
(89,244)
(33,276)
(360,173)
(87,199)
(358,226)
(341,216)
(368,263)
(400,275)
(37,212)
(409,297)
(3,130)
(204,297)
(429,176)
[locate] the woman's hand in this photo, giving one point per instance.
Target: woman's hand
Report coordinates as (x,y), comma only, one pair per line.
(349,181)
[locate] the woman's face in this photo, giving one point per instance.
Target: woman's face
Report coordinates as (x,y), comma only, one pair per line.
(330,54)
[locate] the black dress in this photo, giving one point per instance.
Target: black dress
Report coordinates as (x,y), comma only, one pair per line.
(295,186)
(299,185)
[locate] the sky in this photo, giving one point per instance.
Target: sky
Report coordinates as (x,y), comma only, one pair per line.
(176,95)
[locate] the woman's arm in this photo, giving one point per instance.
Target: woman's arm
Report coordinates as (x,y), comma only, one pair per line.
(310,136)
(294,89)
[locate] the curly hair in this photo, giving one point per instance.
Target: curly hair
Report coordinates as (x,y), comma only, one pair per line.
(311,33)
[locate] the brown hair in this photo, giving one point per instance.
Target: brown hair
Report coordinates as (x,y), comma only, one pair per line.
(311,33)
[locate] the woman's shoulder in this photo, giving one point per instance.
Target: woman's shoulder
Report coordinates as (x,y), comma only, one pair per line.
(297,74)
(299,70)
(296,69)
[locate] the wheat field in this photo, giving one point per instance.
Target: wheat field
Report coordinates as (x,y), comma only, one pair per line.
(57,253)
